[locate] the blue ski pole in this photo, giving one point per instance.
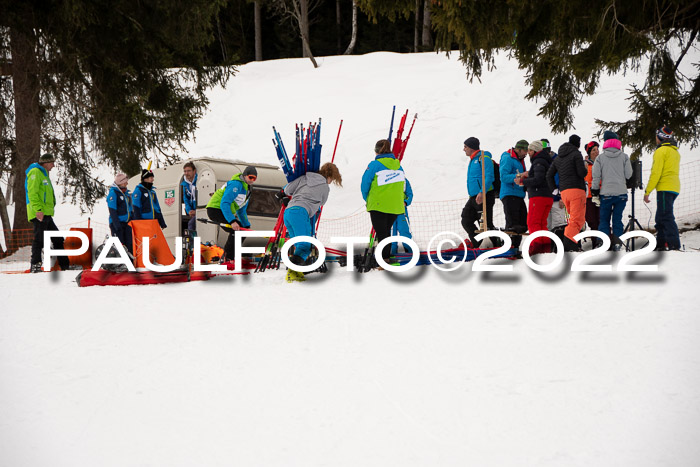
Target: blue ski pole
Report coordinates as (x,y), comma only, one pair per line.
(391,126)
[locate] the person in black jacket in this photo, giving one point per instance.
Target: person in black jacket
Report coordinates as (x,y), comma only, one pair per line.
(572,187)
(539,195)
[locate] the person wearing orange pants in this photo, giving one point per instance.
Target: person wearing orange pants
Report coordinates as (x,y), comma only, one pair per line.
(572,173)
(575,202)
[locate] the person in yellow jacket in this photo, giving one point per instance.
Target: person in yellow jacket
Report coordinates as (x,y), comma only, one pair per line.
(41,201)
(665,180)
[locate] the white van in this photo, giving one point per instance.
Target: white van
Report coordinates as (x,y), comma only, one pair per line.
(212,174)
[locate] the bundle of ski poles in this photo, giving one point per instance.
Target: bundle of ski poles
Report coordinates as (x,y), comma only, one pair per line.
(307,158)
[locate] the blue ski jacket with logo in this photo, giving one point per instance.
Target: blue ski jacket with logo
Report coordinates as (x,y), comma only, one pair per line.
(474,173)
(146,206)
(119,205)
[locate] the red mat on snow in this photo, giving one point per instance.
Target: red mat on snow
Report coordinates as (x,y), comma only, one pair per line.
(101,277)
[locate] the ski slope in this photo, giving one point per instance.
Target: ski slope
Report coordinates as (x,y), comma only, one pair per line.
(426,368)
(361,91)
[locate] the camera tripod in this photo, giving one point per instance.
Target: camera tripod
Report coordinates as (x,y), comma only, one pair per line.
(632,224)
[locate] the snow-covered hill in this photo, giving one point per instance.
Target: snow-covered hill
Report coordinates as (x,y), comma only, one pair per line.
(361,90)
(423,369)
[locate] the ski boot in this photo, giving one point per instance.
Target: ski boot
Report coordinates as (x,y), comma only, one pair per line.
(36,267)
(295,276)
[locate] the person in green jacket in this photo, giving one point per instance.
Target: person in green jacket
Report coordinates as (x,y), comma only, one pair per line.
(229,205)
(665,180)
(383,190)
(41,201)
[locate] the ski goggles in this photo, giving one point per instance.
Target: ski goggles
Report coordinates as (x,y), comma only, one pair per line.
(252,178)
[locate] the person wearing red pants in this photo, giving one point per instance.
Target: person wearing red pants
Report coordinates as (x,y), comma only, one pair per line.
(572,185)
(539,195)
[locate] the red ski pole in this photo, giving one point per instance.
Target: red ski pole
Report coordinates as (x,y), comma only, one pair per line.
(337,138)
(336,141)
(405,143)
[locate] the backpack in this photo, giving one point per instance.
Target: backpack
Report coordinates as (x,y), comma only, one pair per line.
(496,179)
(496,175)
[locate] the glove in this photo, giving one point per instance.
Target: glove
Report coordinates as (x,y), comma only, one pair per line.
(596,200)
(556,192)
(283,197)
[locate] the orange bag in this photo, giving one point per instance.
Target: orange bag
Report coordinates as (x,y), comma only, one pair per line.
(211,252)
(73,243)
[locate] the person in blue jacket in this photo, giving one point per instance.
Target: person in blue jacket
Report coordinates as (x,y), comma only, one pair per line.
(120,211)
(513,195)
(229,205)
(189,195)
(473,209)
(402,225)
(145,201)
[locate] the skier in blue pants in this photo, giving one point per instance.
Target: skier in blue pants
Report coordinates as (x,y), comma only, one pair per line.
(402,225)
(308,193)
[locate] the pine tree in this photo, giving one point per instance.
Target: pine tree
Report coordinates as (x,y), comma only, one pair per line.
(97,81)
(565,47)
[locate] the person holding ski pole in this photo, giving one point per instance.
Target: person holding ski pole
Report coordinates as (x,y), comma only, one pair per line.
(473,210)
(383,190)
(229,205)
(308,193)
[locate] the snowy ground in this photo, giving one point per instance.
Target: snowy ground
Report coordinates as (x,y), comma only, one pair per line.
(422,369)
(460,368)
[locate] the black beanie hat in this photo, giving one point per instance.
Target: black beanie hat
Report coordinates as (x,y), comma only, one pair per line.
(145,173)
(575,140)
(472,142)
(250,170)
(45,158)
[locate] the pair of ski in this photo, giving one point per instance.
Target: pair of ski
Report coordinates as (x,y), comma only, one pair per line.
(398,149)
